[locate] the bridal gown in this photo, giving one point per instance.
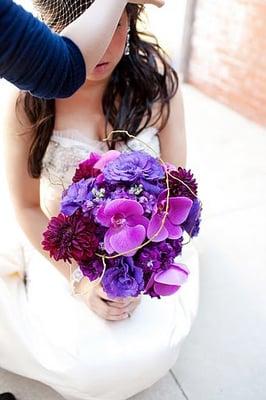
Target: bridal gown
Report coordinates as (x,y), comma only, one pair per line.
(48,335)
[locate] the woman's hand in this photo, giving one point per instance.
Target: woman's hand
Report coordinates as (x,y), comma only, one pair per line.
(109,309)
(157,3)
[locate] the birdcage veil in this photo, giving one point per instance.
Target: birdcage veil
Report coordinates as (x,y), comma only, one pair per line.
(57,14)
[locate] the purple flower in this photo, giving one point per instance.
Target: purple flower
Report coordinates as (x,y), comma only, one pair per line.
(149,259)
(126,223)
(86,168)
(155,257)
(165,283)
(192,223)
(121,193)
(177,188)
(106,159)
(177,245)
(132,167)
(93,269)
(70,237)
(179,208)
(76,195)
(123,280)
(148,202)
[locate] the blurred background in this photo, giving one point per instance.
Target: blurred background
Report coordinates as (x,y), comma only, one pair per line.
(219,49)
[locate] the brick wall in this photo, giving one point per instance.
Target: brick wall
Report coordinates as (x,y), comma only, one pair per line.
(228,54)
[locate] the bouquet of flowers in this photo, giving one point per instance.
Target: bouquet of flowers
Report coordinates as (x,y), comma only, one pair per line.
(122,222)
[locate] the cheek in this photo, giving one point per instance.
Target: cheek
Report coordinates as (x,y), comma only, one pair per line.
(117,45)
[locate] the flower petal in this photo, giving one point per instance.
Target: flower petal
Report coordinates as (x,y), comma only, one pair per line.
(128,238)
(134,220)
(107,245)
(174,231)
(153,228)
(106,158)
(179,209)
(123,206)
(102,218)
(175,275)
(165,290)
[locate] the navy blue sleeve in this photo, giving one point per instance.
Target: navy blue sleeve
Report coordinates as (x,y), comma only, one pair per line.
(34,58)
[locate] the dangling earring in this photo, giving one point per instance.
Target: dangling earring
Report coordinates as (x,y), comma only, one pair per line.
(127,48)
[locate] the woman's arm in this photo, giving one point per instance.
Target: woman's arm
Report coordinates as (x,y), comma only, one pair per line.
(25,194)
(24,190)
(173,136)
(34,58)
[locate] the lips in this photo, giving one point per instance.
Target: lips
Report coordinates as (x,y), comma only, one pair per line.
(101,64)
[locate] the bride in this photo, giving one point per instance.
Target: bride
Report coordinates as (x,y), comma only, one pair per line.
(87,347)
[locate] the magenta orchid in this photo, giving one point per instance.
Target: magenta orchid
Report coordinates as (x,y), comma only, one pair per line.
(179,208)
(167,282)
(126,223)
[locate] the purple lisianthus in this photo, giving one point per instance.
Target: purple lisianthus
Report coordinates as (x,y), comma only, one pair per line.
(126,223)
(76,195)
(192,223)
(93,269)
(178,212)
(131,167)
(167,282)
(70,237)
(86,168)
(123,280)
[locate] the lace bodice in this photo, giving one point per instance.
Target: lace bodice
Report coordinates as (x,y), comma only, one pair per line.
(67,148)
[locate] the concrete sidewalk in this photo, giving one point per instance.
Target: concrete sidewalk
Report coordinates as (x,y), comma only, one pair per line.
(224,356)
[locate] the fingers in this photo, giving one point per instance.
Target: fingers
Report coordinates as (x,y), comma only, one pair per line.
(107,312)
(110,309)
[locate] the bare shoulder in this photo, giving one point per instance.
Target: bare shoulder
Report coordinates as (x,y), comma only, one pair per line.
(15,120)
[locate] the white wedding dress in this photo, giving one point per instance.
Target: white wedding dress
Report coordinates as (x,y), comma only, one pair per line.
(48,335)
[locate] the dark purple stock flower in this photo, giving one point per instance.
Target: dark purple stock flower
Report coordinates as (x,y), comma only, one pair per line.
(124,279)
(93,269)
(71,237)
(159,256)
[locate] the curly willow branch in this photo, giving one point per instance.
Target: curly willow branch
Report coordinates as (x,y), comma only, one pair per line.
(167,174)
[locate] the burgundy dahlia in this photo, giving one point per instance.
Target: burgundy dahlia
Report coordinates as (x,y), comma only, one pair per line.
(177,188)
(86,168)
(70,237)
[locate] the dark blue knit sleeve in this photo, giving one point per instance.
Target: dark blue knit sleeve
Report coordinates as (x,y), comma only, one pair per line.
(34,58)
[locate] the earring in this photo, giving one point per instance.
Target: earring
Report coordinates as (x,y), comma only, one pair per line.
(127,48)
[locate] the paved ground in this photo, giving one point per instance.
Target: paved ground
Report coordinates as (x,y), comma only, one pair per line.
(224,357)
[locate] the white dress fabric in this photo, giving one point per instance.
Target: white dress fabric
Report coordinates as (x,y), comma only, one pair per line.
(48,335)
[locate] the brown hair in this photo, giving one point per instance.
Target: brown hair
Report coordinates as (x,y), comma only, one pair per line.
(140,80)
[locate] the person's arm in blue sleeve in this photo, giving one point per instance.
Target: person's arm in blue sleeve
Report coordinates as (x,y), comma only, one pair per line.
(48,65)
(34,58)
